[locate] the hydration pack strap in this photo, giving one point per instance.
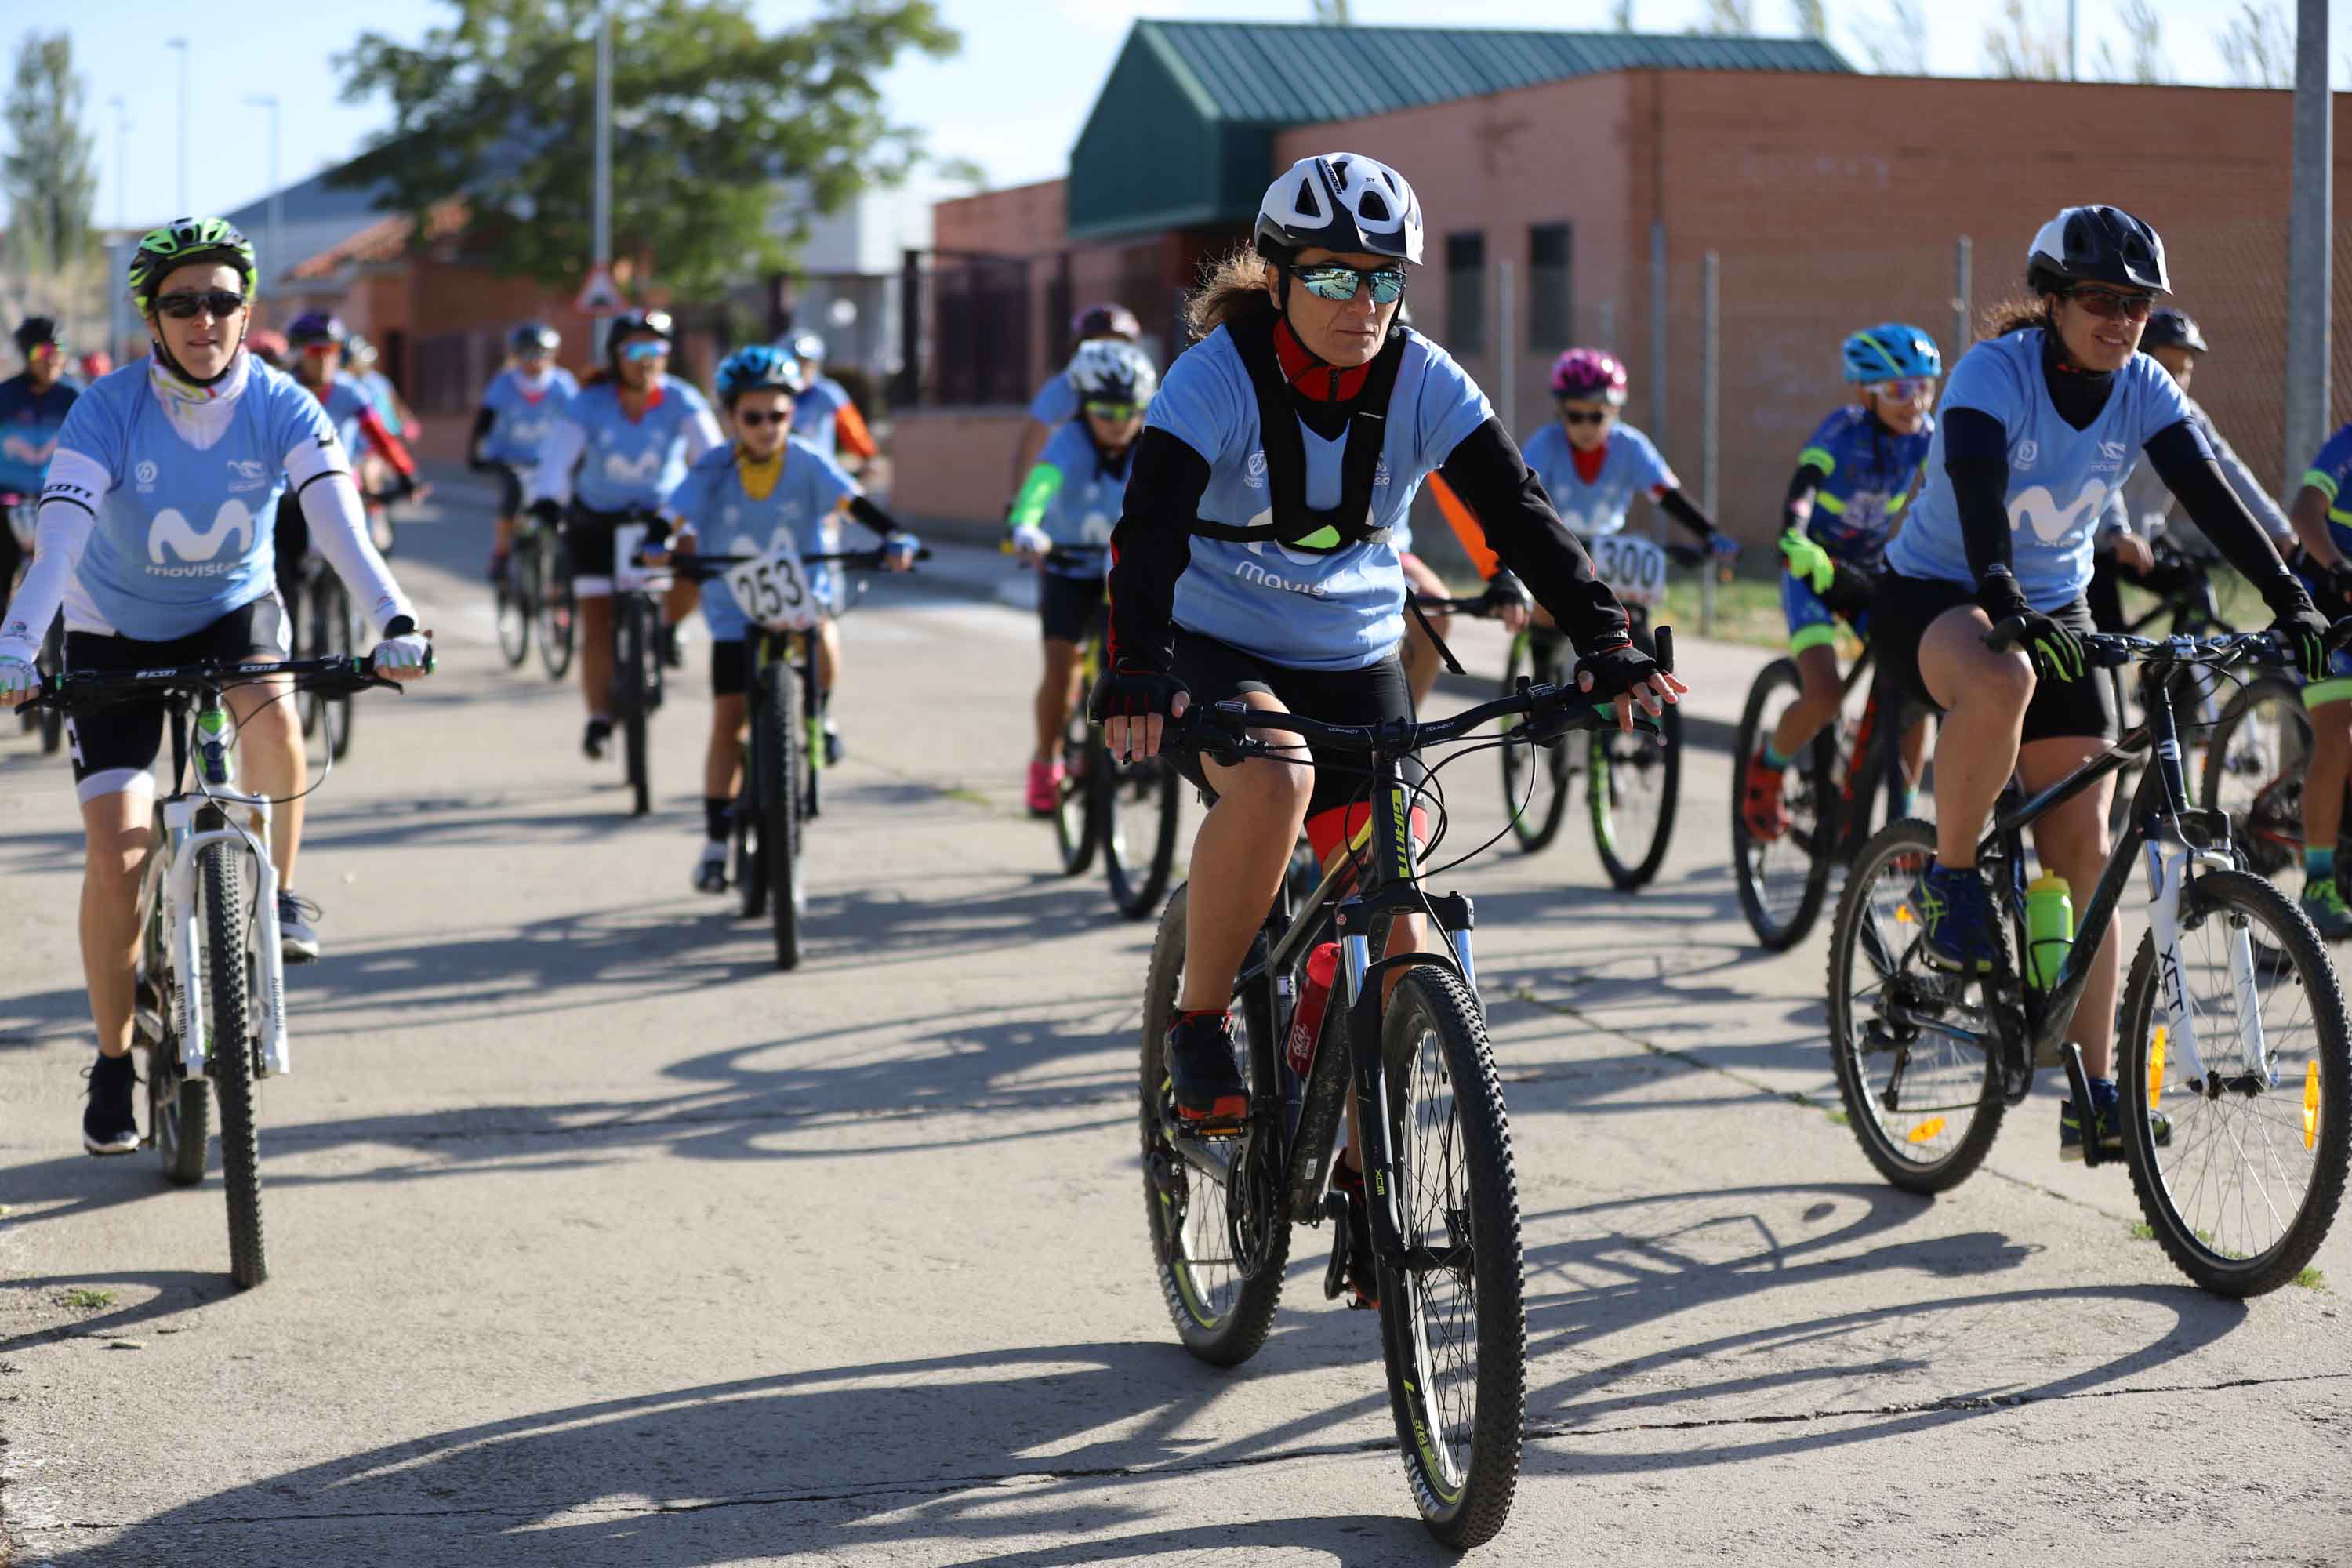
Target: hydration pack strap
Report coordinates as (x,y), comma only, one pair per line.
(1444,654)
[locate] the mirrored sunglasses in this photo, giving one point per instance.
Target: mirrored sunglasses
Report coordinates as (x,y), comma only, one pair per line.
(645,348)
(1112,413)
(1335,281)
(1906,391)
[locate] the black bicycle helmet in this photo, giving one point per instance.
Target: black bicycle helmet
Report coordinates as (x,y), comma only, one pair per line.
(2172,328)
(34,331)
(534,337)
(1106,321)
(2096,244)
(637,323)
(315,327)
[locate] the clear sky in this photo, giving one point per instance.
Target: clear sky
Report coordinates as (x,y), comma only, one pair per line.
(1011,101)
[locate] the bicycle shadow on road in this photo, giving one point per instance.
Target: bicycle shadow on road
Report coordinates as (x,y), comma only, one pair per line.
(168,1294)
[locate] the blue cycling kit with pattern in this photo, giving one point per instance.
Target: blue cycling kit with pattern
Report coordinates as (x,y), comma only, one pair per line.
(1867,472)
(2059,478)
(522,415)
(1632,467)
(627,462)
(1083,505)
(29,423)
(1057,402)
(818,410)
(1335,609)
(738,507)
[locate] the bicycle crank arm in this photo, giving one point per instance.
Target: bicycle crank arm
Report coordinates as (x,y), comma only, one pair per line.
(1904,1018)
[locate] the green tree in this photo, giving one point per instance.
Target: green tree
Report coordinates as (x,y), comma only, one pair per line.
(2144,35)
(1898,46)
(2258,46)
(50,174)
(2025,46)
(1332,11)
(1728,16)
(717,127)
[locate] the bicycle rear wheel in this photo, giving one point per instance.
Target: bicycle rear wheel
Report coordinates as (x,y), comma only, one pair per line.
(631,695)
(1453,1319)
(1782,881)
(1220,1296)
(2242,1187)
(2255,766)
(221,912)
(1077,819)
(515,606)
(1636,783)
(778,727)
(1142,795)
(555,606)
(1923,1105)
(336,634)
(1535,778)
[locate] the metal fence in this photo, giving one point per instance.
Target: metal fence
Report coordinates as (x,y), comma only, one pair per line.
(981,329)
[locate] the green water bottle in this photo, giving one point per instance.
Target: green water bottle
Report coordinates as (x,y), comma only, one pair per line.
(2049,929)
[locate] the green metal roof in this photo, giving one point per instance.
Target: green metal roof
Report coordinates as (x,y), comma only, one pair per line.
(1183,130)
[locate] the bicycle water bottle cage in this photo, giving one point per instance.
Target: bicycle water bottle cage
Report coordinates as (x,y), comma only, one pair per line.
(1294,525)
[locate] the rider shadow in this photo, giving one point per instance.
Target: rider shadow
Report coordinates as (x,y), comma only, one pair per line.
(163,1296)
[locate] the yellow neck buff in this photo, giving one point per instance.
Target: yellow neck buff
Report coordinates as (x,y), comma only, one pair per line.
(759,475)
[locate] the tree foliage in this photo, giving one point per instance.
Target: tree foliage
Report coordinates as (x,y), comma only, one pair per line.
(2025,46)
(1332,11)
(717,127)
(2258,46)
(1898,46)
(2144,35)
(1728,16)
(51,173)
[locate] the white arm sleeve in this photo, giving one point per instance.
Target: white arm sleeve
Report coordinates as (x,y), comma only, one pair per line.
(331,504)
(556,454)
(701,434)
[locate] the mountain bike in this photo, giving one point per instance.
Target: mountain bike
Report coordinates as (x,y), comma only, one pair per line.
(1404,1045)
(1833,790)
(532,597)
(2233,1022)
(325,624)
(2182,582)
(1633,785)
(1100,796)
(22,512)
(638,678)
(211,986)
(785,756)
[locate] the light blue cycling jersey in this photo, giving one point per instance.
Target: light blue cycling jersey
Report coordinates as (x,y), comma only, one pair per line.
(802,510)
(377,388)
(1085,508)
(631,462)
(345,400)
(1344,610)
(521,418)
(29,423)
(2059,477)
(1866,477)
(1057,402)
(816,411)
(1632,466)
(183,534)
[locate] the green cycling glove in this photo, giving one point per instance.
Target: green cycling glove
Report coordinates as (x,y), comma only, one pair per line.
(1808,560)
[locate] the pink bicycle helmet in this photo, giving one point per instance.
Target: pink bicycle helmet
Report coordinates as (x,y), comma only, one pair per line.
(1589,375)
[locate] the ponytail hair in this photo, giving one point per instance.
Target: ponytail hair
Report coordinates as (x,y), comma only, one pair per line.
(2015,314)
(1232,289)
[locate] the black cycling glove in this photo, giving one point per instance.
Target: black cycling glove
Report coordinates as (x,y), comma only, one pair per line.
(1133,694)
(548,510)
(2056,652)
(1504,589)
(1615,671)
(2303,630)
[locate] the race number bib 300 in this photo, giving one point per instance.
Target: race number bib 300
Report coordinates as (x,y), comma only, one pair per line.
(1633,566)
(774,593)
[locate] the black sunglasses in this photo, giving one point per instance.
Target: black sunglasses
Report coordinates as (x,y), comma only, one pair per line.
(752,418)
(1584,416)
(183,306)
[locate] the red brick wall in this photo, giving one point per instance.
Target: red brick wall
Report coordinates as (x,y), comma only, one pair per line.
(952,463)
(1021,220)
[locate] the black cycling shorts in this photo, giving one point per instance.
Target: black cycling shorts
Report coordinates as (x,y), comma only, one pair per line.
(509,492)
(588,536)
(1907,606)
(110,744)
(1213,672)
(731,668)
(1069,609)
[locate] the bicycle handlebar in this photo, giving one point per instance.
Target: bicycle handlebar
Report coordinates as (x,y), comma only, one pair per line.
(2111,650)
(80,691)
(702,568)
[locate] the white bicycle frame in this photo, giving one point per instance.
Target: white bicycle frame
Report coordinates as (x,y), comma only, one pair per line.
(2167,873)
(183,942)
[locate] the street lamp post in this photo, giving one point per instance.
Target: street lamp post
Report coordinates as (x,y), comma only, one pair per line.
(276,198)
(182,45)
(117,330)
(603,239)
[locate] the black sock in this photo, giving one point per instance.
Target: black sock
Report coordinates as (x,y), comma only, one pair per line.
(718,818)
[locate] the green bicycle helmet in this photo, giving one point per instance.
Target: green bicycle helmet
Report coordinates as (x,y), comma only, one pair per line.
(182,241)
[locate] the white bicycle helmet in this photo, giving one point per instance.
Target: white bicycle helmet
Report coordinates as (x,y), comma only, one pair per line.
(1342,202)
(1109,371)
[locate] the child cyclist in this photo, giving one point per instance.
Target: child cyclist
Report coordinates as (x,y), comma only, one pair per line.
(1852,481)
(1069,501)
(766,491)
(2324,529)
(1593,464)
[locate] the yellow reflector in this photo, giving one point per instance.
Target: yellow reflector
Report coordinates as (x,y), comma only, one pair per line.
(1903,914)
(1933,1126)
(2310,1104)
(2155,1066)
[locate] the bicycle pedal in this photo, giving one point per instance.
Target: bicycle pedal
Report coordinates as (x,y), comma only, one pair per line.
(1210,1127)
(1335,1273)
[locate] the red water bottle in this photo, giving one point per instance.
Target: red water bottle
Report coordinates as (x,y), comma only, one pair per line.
(1306,1019)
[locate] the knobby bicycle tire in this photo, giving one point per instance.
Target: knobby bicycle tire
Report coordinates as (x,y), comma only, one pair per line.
(1780,929)
(229,1060)
(778,725)
(1633,866)
(631,695)
(1223,1335)
(179,1109)
(515,604)
(337,637)
(2267,826)
(558,610)
(1077,799)
(2288,941)
(1546,805)
(1463,1501)
(1135,886)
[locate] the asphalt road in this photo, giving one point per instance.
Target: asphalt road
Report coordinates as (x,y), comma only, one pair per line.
(597,1241)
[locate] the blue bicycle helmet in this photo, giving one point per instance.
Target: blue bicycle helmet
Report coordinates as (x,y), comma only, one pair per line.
(759,368)
(1892,350)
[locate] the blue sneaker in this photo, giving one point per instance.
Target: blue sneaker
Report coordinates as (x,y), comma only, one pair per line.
(1955,918)
(2106,1105)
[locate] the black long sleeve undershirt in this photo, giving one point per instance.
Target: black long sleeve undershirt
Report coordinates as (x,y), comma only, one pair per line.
(483,419)
(1802,486)
(1976,456)
(2185,463)
(1151,547)
(873,516)
(1678,505)
(1495,482)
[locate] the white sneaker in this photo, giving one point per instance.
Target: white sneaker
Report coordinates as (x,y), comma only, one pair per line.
(710,872)
(297,939)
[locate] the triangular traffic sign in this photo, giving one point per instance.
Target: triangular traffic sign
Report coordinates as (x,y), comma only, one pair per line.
(599,296)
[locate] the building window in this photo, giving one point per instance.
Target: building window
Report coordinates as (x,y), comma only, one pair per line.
(1551,310)
(1465,293)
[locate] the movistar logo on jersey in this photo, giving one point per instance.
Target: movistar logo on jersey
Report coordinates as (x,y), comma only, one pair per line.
(639,470)
(2039,509)
(25,449)
(197,551)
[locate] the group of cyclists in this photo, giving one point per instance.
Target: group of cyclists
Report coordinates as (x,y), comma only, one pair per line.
(1237,526)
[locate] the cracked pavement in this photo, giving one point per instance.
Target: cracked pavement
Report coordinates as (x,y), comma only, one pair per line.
(595,1241)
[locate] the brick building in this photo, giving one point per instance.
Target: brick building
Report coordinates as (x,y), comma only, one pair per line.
(1832,199)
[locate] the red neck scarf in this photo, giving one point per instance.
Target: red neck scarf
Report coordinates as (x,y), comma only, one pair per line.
(1311,378)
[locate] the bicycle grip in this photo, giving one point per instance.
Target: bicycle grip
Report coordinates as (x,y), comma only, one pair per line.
(2003,637)
(1664,639)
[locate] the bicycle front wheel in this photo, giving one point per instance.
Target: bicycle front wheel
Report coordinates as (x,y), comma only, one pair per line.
(1077,821)
(778,728)
(1783,880)
(179,1114)
(1922,1090)
(1636,783)
(1141,797)
(633,695)
(1454,1317)
(2255,766)
(515,606)
(2242,1176)
(554,605)
(1220,1295)
(222,915)
(1535,778)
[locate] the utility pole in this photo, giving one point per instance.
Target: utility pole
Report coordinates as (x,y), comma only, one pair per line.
(118,329)
(182,45)
(275,265)
(603,236)
(2310,218)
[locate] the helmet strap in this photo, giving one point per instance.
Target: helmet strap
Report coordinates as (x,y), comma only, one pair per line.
(180,372)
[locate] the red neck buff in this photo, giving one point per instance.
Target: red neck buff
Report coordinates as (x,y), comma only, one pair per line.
(1311,378)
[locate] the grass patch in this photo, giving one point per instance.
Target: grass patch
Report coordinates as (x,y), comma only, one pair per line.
(969,797)
(89,1298)
(1838,1117)
(2143,1231)
(2310,1279)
